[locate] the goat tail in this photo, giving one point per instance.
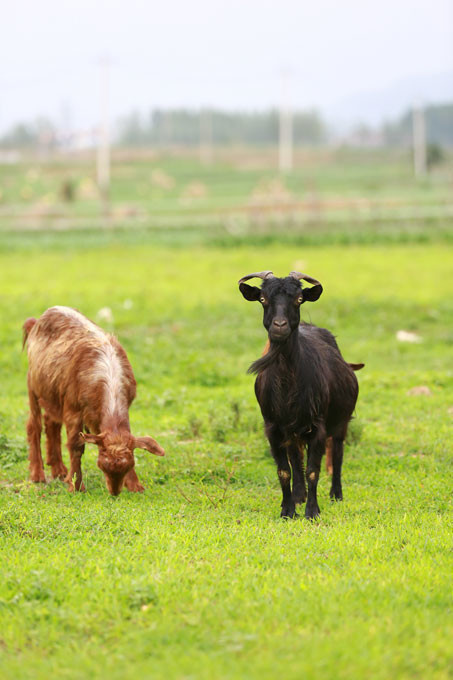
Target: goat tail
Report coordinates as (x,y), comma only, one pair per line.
(356,367)
(28,325)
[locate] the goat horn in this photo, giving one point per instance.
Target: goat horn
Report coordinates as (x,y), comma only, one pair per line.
(257,275)
(305,277)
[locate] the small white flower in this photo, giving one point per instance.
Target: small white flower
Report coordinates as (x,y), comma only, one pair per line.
(407,336)
(105,314)
(419,389)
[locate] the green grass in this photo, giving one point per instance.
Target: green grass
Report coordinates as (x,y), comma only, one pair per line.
(198,577)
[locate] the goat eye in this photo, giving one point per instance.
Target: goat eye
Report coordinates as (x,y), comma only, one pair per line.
(262,299)
(300,299)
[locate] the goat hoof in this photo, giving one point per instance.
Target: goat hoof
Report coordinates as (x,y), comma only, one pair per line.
(287,515)
(59,472)
(136,488)
(336,495)
(74,489)
(289,511)
(312,512)
(38,477)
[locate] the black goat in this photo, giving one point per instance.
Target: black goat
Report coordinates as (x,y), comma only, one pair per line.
(306,390)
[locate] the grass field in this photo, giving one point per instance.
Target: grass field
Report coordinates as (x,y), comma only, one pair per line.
(198,577)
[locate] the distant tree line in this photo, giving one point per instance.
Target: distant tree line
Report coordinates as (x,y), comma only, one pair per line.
(29,136)
(183,127)
(438,122)
(189,128)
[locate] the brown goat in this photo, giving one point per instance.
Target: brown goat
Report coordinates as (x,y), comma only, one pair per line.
(81,377)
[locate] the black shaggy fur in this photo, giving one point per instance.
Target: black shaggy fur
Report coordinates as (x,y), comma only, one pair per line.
(306,390)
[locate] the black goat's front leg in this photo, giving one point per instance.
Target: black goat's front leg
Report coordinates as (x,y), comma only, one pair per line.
(278,448)
(336,492)
(316,448)
(296,458)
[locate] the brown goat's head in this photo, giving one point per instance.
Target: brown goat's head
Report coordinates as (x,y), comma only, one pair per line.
(281,300)
(116,455)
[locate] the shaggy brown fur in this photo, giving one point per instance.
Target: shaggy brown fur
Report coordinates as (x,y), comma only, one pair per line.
(81,377)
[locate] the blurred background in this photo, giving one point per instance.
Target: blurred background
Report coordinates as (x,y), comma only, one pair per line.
(227,119)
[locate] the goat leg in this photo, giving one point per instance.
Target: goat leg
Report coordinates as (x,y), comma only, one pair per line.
(336,492)
(316,448)
(296,458)
(132,482)
(76,448)
(34,428)
(278,448)
(53,458)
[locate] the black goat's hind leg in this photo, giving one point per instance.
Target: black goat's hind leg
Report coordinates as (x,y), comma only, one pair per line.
(284,475)
(316,449)
(336,492)
(283,469)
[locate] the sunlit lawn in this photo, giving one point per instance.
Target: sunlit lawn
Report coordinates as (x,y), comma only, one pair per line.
(198,577)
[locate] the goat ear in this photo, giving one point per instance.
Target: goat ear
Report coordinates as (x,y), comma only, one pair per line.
(149,444)
(251,293)
(312,294)
(89,438)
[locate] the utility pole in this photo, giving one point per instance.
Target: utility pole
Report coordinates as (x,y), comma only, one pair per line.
(103,154)
(419,140)
(285,151)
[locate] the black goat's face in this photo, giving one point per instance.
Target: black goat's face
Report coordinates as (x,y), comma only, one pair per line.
(281,300)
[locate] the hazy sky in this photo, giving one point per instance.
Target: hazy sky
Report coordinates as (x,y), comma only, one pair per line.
(207,52)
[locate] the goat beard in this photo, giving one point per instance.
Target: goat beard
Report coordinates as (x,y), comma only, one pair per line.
(265,361)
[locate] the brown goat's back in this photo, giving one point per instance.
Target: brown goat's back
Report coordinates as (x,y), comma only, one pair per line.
(74,364)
